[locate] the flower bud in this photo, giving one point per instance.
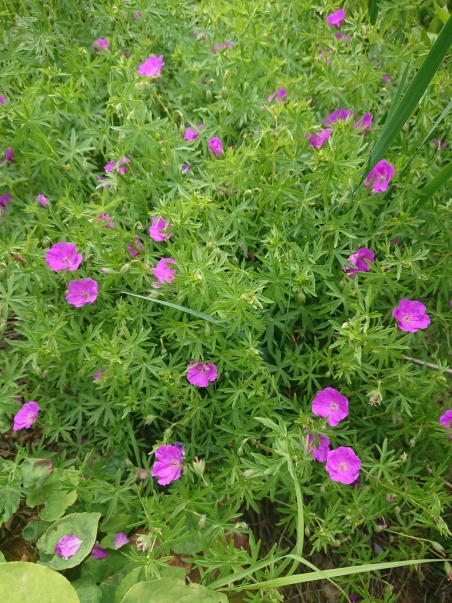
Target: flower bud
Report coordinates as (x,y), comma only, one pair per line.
(240,451)
(202,522)
(199,466)
(143,474)
(224,92)
(209,96)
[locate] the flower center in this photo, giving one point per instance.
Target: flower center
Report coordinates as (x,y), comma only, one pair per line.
(85,295)
(175,464)
(67,261)
(381,178)
(342,466)
(334,406)
(407,318)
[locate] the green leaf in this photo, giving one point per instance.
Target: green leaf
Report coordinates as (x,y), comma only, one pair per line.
(2,558)
(83,525)
(132,578)
(54,495)
(373,11)
(35,472)
(169,590)
(30,583)
(87,590)
(441,12)
(100,569)
(436,183)
(34,530)
(413,95)
(116,523)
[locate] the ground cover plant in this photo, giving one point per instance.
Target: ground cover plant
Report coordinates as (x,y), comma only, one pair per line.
(225,244)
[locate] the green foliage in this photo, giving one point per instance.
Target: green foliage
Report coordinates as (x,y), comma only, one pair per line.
(169,590)
(31,583)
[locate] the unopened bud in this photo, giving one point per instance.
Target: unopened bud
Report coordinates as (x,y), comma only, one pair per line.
(199,466)
(240,451)
(448,570)
(224,92)
(209,96)
(202,522)
(307,531)
(207,330)
(143,474)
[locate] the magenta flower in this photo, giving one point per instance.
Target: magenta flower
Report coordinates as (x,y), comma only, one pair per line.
(201,374)
(120,540)
(99,374)
(137,15)
(121,170)
(193,134)
(280,94)
(5,200)
(67,546)
(338,115)
(9,155)
(63,256)
(343,465)
(336,19)
(341,36)
(101,43)
(2,100)
(163,272)
(82,292)
(446,419)
(135,251)
(386,77)
(380,175)
(101,178)
(168,465)
(98,552)
(358,261)
(152,66)
(26,416)
(320,453)
(42,200)
(218,47)
(318,140)
(411,316)
(105,218)
(330,403)
(157,229)
(216,146)
(436,141)
(364,123)
(186,168)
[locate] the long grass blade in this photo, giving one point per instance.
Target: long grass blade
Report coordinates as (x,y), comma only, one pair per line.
(413,94)
(436,183)
(399,91)
(373,11)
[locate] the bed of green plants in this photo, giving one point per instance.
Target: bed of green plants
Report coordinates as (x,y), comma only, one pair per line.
(225,280)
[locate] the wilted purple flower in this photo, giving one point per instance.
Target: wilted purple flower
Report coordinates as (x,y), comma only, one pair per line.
(364,123)
(332,404)
(280,94)
(386,77)
(380,175)
(2,100)
(67,546)
(201,374)
(411,316)
(381,525)
(99,374)
(120,540)
(152,66)
(358,261)
(186,168)
(336,19)
(218,47)
(216,146)
(446,419)
(137,15)
(163,272)
(5,200)
(101,178)
(42,199)
(338,115)
(343,465)
(63,256)
(437,142)
(193,134)
(319,453)
(101,44)
(98,552)
(318,140)
(9,155)
(26,416)
(168,465)
(136,251)
(353,598)
(157,229)
(341,36)
(121,170)
(82,292)
(106,219)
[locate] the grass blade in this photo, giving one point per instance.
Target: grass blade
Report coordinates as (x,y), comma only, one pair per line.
(399,92)
(436,183)
(413,94)
(373,11)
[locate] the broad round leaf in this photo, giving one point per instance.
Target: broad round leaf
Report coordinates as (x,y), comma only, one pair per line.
(30,583)
(169,590)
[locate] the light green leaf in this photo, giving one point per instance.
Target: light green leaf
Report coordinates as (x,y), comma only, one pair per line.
(436,183)
(30,583)
(36,471)
(87,590)
(441,12)
(169,590)
(34,530)
(116,523)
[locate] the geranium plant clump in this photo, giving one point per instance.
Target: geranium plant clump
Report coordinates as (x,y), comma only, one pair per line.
(224,255)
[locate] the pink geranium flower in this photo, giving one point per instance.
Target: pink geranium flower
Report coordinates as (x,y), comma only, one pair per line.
(446,419)
(343,465)
(338,115)
(2,100)
(157,229)
(105,218)
(168,465)
(359,261)
(101,44)
(99,374)
(67,546)
(163,272)
(63,256)
(5,200)
(201,374)
(336,19)
(193,134)
(380,175)
(218,47)
(82,292)
(136,251)
(98,552)
(137,15)
(120,540)
(152,66)
(42,200)
(318,140)
(332,404)
(320,452)
(411,316)
(9,155)
(121,170)
(280,94)
(26,416)
(364,123)
(216,146)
